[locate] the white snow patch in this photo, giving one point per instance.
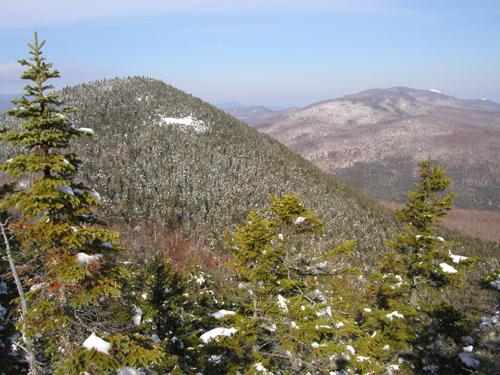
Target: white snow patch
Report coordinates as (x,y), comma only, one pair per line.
(85,259)
(457,258)
(282,303)
(95,194)
(65,189)
(294,325)
(189,122)
(350,349)
(299,220)
(280,237)
(222,314)
(446,268)
(394,314)
(367,310)
(155,337)
(361,358)
(215,358)
(96,343)
(129,371)
(325,312)
(315,345)
(468,349)
(107,245)
(435,91)
(136,319)
(259,367)
(200,280)
(217,332)
(339,325)
(88,131)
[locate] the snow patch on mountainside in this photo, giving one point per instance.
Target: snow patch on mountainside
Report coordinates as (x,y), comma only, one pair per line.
(183,123)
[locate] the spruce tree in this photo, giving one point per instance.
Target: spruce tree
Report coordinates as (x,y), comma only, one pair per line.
(77,316)
(414,314)
(295,308)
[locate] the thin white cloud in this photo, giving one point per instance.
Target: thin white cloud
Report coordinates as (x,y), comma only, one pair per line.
(32,13)
(9,70)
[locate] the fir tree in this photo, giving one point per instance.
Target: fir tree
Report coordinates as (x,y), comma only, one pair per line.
(294,308)
(77,316)
(413,314)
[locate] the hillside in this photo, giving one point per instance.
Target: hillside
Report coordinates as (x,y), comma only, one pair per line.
(163,156)
(373,140)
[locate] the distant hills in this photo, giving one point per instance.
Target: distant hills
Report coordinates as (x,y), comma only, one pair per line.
(374,139)
(5,101)
(252,115)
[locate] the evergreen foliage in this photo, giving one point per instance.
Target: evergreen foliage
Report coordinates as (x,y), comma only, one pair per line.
(295,308)
(415,315)
(74,284)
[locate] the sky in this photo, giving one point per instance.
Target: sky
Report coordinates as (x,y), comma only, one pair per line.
(278,53)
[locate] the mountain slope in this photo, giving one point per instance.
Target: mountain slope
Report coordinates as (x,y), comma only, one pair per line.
(374,139)
(161,154)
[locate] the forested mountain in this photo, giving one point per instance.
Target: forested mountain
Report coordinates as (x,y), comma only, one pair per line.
(161,154)
(373,140)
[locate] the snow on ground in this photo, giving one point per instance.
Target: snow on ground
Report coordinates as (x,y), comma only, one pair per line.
(435,91)
(85,259)
(96,343)
(217,332)
(129,371)
(457,258)
(446,268)
(260,368)
(282,303)
(137,316)
(394,314)
(299,220)
(86,131)
(188,122)
(221,314)
(325,312)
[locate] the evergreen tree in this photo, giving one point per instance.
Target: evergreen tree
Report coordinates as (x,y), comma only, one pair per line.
(77,316)
(294,308)
(414,315)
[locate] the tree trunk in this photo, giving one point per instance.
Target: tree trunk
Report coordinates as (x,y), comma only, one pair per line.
(28,345)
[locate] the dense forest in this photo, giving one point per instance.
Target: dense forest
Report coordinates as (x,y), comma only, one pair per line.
(285,270)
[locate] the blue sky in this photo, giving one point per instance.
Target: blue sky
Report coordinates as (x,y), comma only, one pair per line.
(272,52)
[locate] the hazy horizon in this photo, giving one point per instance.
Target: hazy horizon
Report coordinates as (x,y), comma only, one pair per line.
(275,53)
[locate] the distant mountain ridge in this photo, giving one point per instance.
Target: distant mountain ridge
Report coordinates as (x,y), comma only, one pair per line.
(374,138)
(6,101)
(252,115)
